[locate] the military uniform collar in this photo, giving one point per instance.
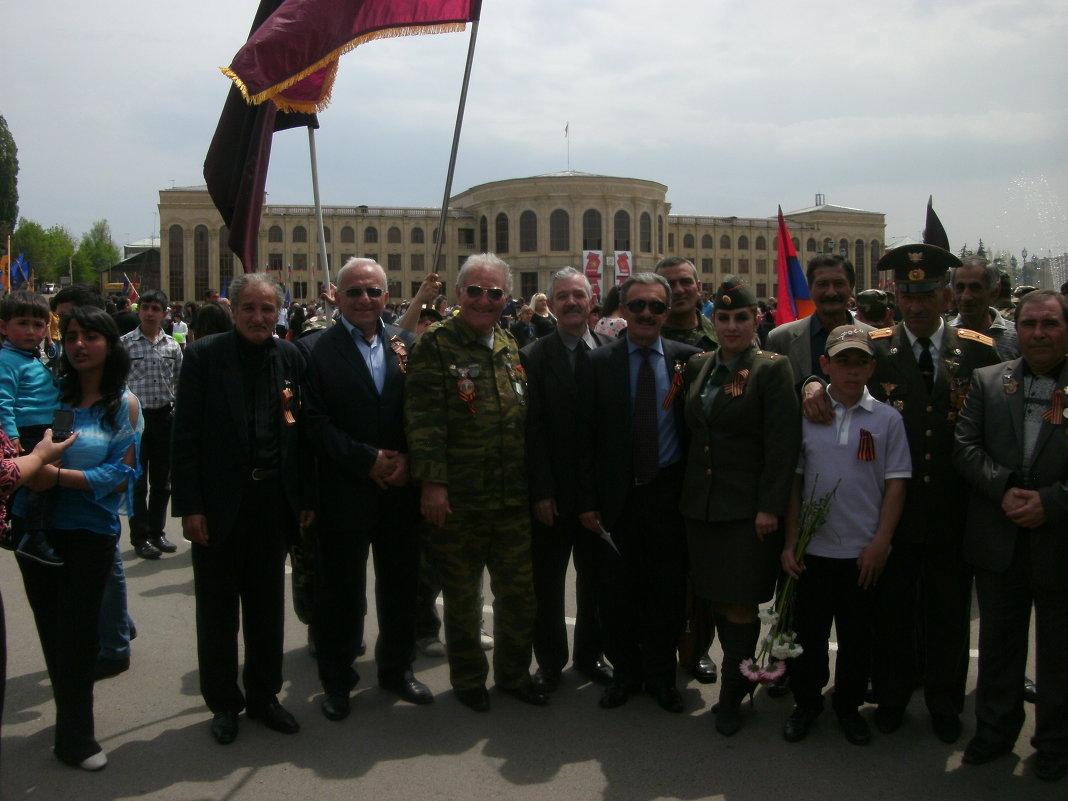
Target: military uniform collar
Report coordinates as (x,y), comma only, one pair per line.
(936,338)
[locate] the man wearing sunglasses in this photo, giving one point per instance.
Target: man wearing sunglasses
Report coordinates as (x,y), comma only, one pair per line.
(632,470)
(465,408)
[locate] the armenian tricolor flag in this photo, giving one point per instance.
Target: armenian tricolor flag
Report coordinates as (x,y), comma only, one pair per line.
(794,300)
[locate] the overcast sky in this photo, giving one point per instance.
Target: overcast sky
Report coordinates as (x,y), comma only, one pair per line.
(735,106)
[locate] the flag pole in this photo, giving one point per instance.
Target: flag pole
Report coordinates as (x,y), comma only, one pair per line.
(455,147)
(327,307)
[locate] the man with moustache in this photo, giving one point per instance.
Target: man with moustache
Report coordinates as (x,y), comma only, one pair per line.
(923,369)
(465,410)
(553,364)
(632,460)
(976,286)
(831,280)
(687,323)
(353,394)
(239,481)
(1012,449)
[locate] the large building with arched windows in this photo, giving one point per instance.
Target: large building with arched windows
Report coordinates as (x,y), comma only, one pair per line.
(536,224)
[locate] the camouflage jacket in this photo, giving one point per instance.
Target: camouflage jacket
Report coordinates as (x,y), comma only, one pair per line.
(465,416)
(703,337)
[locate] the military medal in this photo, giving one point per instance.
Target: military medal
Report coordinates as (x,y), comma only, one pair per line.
(893,351)
(737,385)
(900,406)
(888,388)
(1010,384)
(397,346)
(519,379)
(464,385)
(287,400)
(673,390)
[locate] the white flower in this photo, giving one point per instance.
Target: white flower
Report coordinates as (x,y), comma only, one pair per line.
(768,615)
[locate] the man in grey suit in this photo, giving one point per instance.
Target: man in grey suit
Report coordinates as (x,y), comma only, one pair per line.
(831,281)
(1011,446)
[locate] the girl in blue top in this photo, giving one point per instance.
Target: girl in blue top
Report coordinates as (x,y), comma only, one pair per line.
(92,486)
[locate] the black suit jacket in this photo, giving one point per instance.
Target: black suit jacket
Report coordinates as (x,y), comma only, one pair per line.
(348,421)
(607,473)
(554,430)
(209,435)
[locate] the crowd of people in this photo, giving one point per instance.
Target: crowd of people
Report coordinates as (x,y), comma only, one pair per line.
(671,442)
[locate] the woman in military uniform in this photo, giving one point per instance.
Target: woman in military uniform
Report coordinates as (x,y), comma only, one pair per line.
(745,429)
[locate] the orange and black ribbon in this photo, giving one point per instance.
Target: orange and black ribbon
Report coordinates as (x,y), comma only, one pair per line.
(1055,413)
(866,451)
(676,385)
(396,344)
(737,385)
(287,400)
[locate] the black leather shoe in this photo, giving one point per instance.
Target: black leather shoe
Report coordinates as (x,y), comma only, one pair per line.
(615,694)
(947,728)
(888,719)
(146,550)
(600,672)
(275,716)
(1050,766)
(546,680)
(1030,691)
(798,724)
(668,698)
(979,752)
(705,670)
(527,693)
(106,668)
(476,698)
(224,727)
(335,706)
(855,728)
(408,688)
(779,687)
(163,544)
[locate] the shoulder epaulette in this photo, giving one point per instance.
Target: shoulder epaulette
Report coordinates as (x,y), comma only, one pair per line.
(881,333)
(768,354)
(967,333)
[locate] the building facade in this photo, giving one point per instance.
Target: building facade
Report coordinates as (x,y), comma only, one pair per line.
(538,225)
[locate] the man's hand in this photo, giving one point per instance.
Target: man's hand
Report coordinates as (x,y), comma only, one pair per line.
(592,521)
(428,290)
(871,562)
(789,564)
(400,476)
(434,503)
(765,524)
(545,511)
(306,517)
(1024,507)
(384,466)
(816,403)
(195,529)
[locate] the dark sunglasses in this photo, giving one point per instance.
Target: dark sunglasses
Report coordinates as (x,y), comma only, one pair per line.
(357,291)
(476,291)
(638,306)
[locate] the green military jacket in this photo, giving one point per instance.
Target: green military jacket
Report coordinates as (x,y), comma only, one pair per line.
(465,416)
(703,337)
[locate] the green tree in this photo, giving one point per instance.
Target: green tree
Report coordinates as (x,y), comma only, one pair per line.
(96,252)
(49,251)
(9,184)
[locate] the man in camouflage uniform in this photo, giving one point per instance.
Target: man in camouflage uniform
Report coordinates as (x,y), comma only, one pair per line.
(465,410)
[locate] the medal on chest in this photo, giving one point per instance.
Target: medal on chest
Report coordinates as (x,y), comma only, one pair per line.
(737,385)
(1056,413)
(286,403)
(465,387)
(518,378)
(396,344)
(676,384)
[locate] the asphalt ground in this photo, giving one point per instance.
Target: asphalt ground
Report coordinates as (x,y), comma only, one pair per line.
(154,727)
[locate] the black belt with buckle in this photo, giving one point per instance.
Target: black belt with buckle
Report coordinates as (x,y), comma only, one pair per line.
(264,473)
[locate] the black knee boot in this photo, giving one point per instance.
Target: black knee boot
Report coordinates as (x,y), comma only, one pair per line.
(739,643)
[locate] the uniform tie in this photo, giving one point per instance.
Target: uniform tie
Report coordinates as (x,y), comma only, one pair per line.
(926,363)
(646,451)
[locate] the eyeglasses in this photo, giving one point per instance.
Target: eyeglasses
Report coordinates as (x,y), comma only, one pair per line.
(476,291)
(358,291)
(638,306)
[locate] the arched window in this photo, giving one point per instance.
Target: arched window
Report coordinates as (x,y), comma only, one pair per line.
(559,230)
(858,255)
(875,252)
(501,233)
(326,234)
(483,234)
(761,243)
(434,237)
(645,233)
(591,230)
(348,235)
(797,242)
(659,234)
(393,235)
(274,233)
(843,248)
(724,242)
(706,242)
(300,234)
(743,242)
(810,246)
(621,235)
(200,261)
(226,257)
(370,235)
(176,261)
(687,242)
(417,236)
(528,232)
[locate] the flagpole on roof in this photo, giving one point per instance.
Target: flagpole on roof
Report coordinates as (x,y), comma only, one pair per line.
(327,309)
(455,146)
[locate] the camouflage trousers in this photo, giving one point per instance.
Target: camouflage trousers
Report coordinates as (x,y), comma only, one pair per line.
(470,542)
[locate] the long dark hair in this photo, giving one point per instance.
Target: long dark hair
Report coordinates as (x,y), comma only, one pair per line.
(116,364)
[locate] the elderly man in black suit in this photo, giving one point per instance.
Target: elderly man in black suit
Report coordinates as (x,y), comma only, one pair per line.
(353,391)
(239,485)
(553,364)
(632,461)
(1012,449)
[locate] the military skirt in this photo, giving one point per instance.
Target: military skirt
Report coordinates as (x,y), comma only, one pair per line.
(729,564)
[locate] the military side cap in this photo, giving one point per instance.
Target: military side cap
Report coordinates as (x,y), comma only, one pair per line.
(918,268)
(874,303)
(734,293)
(846,337)
(429,311)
